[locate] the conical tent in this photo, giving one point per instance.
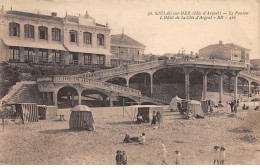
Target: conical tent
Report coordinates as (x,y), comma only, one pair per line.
(174,103)
(81,118)
(195,108)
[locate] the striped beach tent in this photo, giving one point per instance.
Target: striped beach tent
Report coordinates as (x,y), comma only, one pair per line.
(28,112)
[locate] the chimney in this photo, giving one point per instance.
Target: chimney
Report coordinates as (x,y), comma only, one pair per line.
(220,42)
(54,14)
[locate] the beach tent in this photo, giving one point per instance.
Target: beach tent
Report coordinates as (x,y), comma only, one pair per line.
(81,118)
(47,112)
(251,121)
(174,103)
(146,111)
(27,112)
(195,108)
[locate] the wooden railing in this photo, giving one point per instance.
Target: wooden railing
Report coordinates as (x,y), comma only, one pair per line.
(97,84)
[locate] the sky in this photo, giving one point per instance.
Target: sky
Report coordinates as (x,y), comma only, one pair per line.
(158,35)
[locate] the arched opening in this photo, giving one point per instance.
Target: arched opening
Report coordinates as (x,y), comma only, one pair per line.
(117,81)
(142,82)
(242,86)
(228,82)
(168,83)
(254,88)
(94,98)
(196,85)
(67,97)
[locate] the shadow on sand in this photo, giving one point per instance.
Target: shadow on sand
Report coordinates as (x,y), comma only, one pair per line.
(59,131)
(239,130)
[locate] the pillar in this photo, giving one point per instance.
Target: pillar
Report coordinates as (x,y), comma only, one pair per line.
(187,85)
(127,82)
(111,101)
(249,88)
(55,99)
(79,97)
(220,88)
(151,75)
(204,96)
(72,99)
(235,89)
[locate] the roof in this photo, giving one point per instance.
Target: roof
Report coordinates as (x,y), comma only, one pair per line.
(24,43)
(122,39)
(75,19)
(34,15)
(73,48)
(81,108)
(237,46)
(230,45)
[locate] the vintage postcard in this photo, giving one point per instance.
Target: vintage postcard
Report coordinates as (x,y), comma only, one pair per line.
(129,82)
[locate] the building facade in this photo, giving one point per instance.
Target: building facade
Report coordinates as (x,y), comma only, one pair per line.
(36,38)
(126,50)
(230,52)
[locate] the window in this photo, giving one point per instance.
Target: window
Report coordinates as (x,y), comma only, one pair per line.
(73,36)
(14,29)
(43,33)
(28,31)
(56,57)
(14,54)
(87,59)
(87,37)
(100,39)
(101,59)
(28,55)
(74,59)
(43,56)
(56,36)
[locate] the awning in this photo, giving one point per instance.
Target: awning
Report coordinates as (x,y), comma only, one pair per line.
(89,50)
(33,44)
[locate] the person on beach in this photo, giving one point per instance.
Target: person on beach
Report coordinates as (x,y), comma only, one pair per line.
(163,155)
(177,157)
(154,118)
(118,157)
(222,155)
(123,158)
(158,117)
(232,106)
(141,139)
(216,154)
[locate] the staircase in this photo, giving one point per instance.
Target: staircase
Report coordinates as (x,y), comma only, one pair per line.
(14,89)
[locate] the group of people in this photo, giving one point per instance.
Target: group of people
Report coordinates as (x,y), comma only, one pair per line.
(176,159)
(140,139)
(121,158)
(59,118)
(233,105)
(219,155)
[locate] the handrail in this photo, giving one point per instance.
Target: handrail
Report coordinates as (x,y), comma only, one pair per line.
(94,83)
(157,63)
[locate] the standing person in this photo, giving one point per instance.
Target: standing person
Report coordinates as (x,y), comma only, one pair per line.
(154,118)
(178,157)
(118,157)
(163,154)
(123,158)
(216,154)
(231,106)
(222,155)
(237,102)
(158,117)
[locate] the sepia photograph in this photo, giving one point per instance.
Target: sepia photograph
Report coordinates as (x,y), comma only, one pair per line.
(129,82)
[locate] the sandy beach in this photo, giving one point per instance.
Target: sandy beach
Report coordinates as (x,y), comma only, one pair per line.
(50,142)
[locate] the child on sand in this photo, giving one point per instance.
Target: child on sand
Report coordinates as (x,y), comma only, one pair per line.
(222,155)
(123,158)
(216,154)
(142,139)
(163,155)
(118,157)
(178,157)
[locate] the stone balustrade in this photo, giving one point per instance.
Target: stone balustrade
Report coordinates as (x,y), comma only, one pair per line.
(103,85)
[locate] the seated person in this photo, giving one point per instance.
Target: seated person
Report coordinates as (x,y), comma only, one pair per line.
(127,139)
(199,116)
(139,119)
(244,107)
(257,108)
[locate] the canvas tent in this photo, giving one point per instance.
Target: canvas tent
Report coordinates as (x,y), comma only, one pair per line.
(146,111)
(81,118)
(47,112)
(251,121)
(27,112)
(195,108)
(174,103)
